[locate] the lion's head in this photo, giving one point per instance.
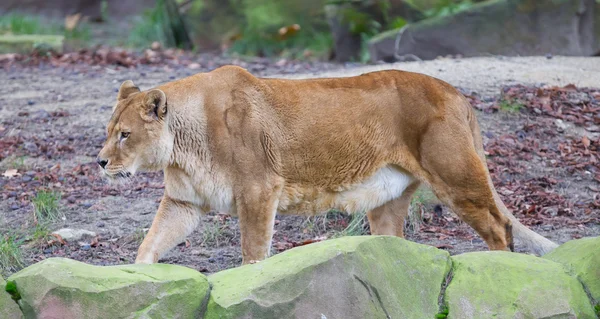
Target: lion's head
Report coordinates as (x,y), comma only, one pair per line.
(138,138)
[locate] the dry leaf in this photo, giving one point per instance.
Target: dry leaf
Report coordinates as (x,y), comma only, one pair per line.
(59,239)
(11,173)
(71,21)
(586,142)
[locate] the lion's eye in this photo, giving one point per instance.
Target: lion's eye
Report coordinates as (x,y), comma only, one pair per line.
(124,135)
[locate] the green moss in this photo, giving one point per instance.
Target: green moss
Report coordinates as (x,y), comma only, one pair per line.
(509,285)
(157,290)
(8,296)
(582,258)
(361,268)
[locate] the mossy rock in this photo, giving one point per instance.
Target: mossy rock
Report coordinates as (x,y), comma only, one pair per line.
(510,285)
(582,259)
(350,277)
(65,288)
(8,307)
(26,43)
(498,27)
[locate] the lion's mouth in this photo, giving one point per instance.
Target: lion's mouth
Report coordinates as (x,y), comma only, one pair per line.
(117,173)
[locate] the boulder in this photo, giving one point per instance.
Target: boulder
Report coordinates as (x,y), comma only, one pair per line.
(8,307)
(350,277)
(582,259)
(498,284)
(65,288)
(500,27)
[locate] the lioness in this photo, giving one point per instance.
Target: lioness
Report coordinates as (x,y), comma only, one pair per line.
(231,142)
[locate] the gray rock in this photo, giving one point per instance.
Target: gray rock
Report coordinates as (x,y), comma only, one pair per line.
(72,235)
(8,307)
(350,277)
(500,27)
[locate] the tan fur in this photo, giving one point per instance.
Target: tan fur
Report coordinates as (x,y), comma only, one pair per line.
(252,147)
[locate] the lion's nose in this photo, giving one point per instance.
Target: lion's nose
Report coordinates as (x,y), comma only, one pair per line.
(101,162)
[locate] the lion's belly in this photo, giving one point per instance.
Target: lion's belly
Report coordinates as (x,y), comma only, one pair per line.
(386,184)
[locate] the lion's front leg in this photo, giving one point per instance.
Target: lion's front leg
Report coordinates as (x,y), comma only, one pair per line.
(173,222)
(257,207)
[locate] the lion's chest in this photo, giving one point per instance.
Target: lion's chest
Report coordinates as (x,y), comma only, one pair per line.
(386,184)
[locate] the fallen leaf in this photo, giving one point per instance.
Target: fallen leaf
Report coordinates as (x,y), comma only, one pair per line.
(11,173)
(586,142)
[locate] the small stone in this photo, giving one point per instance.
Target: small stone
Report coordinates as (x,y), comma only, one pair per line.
(87,205)
(211,260)
(69,234)
(40,114)
(14,206)
(155,45)
(100,224)
(548,56)
(560,125)
(30,102)
(31,147)
(26,178)
(30,173)
(85,246)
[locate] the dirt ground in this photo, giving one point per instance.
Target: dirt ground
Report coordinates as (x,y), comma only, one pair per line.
(53,124)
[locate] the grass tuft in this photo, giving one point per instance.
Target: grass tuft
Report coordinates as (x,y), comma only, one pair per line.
(422,198)
(511,106)
(46,206)
(217,233)
(358,226)
(11,257)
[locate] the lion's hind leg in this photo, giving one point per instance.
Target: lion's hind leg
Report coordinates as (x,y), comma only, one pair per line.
(457,176)
(388,219)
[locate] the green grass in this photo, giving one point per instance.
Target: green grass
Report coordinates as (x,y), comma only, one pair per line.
(422,198)
(150,27)
(511,106)
(40,233)
(358,226)
(20,24)
(216,233)
(14,162)
(11,257)
(46,206)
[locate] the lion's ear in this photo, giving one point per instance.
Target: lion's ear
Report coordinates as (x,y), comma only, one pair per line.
(156,104)
(126,89)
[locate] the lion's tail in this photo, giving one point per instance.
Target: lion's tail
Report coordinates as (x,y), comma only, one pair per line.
(533,241)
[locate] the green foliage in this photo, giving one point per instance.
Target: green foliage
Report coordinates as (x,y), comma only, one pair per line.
(360,22)
(26,24)
(11,257)
(397,23)
(81,33)
(22,24)
(597,309)
(511,106)
(150,27)
(104,10)
(46,206)
(447,7)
